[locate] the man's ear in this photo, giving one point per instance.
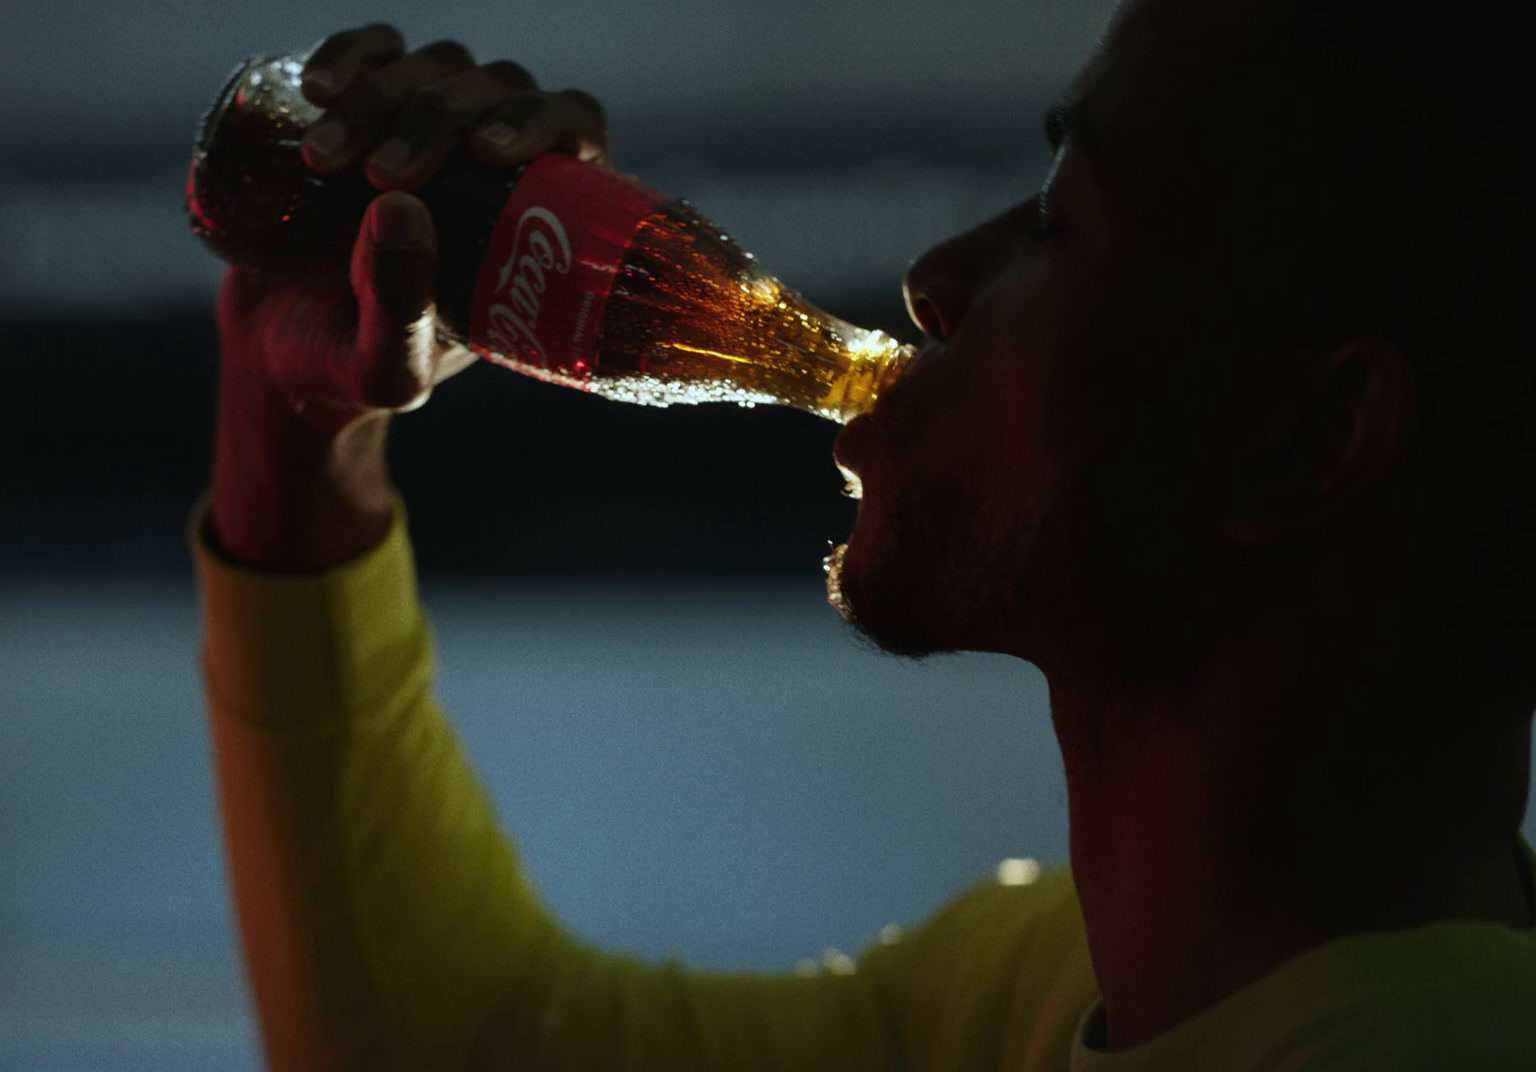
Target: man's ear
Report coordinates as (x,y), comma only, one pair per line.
(1320,453)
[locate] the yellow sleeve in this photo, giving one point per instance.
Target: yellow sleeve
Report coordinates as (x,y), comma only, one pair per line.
(384,918)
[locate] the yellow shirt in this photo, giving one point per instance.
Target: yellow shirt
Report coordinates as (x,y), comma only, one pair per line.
(386,923)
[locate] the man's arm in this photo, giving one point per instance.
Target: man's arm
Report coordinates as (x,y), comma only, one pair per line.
(384,919)
(381,913)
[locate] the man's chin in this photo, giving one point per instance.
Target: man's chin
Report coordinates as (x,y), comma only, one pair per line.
(891,633)
(837,596)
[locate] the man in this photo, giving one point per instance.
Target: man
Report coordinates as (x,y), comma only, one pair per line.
(1227,430)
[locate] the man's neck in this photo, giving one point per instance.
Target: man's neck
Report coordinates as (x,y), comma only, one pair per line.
(1207,853)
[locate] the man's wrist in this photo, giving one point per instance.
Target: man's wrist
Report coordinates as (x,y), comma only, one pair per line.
(288,499)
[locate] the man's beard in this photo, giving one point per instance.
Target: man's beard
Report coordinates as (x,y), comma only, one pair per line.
(833,565)
(916,597)
(881,635)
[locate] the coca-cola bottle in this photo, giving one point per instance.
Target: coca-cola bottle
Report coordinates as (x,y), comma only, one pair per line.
(561,270)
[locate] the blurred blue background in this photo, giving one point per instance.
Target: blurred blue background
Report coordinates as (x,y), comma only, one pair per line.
(694,756)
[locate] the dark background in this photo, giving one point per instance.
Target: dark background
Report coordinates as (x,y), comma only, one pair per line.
(836,141)
(691,753)
(505,477)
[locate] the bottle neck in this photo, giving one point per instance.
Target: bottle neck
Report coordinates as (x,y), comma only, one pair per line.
(879,362)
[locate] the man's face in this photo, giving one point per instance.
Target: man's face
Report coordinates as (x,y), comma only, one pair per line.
(1038,476)
(964,466)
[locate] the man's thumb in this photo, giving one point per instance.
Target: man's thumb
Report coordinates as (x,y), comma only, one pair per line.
(393,261)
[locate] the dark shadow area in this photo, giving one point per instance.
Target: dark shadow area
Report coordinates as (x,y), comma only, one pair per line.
(110,426)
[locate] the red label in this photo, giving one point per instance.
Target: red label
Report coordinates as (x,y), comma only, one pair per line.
(551,262)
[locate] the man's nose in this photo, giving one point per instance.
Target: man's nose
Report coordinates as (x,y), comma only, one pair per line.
(941,283)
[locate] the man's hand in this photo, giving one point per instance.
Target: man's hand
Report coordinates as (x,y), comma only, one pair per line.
(313,364)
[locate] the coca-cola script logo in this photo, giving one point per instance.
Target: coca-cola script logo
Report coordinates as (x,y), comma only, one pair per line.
(512,319)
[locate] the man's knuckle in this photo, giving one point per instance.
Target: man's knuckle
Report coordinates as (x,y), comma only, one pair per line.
(512,75)
(520,109)
(449,53)
(339,40)
(428,109)
(347,38)
(367,103)
(327,56)
(385,33)
(373,37)
(588,106)
(325,50)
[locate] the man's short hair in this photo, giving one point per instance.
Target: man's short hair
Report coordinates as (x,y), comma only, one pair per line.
(1376,173)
